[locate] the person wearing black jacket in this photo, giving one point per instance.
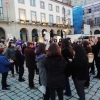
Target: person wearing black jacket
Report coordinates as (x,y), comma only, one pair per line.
(79,70)
(55,65)
(67,54)
(20,59)
(97,58)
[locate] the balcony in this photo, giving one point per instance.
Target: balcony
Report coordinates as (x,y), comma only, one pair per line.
(5,19)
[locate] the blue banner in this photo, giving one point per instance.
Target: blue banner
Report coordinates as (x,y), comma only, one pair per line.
(77,19)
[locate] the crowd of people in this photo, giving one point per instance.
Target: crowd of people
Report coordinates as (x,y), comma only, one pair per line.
(54,65)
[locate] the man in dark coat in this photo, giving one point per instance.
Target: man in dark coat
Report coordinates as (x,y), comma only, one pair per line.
(30,63)
(20,60)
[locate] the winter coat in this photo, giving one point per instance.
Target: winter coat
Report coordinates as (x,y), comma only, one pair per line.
(4,64)
(67,55)
(42,70)
(80,69)
(55,72)
(20,58)
(30,58)
(10,53)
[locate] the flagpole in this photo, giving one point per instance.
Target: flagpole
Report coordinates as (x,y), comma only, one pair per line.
(7,9)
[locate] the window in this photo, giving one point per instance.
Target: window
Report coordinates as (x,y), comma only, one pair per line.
(85,2)
(51,18)
(97,20)
(43,17)
(58,19)
(50,7)
(89,10)
(1,9)
(0,3)
(96,8)
(42,5)
(22,14)
(21,1)
(75,4)
(57,9)
(68,12)
(81,3)
(33,16)
(32,2)
(63,10)
(69,21)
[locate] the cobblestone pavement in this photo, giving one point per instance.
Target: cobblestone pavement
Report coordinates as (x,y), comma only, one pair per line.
(21,91)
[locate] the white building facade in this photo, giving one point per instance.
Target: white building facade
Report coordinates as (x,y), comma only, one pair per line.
(24,19)
(92,16)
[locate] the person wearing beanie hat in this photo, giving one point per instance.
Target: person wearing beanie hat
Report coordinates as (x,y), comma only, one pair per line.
(20,59)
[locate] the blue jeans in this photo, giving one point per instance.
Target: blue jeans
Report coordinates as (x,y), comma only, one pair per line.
(67,89)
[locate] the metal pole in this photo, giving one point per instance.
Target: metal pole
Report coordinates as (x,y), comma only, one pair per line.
(7,9)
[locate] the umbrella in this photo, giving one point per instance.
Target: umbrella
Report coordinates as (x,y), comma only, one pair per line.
(61,34)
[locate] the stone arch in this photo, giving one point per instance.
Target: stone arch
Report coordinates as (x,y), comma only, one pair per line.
(96,32)
(44,30)
(52,33)
(35,35)
(2,33)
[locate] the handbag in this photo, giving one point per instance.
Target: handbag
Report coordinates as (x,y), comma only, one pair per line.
(90,57)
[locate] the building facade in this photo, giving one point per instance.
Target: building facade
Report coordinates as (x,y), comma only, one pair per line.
(82,2)
(24,19)
(92,16)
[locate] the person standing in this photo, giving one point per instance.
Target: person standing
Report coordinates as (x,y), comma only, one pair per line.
(30,63)
(40,58)
(4,69)
(79,70)
(55,65)
(97,58)
(10,54)
(67,53)
(20,59)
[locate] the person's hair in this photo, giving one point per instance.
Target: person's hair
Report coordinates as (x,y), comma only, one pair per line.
(29,43)
(85,44)
(66,44)
(98,39)
(9,45)
(54,50)
(80,56)
(1,50)
(41,49)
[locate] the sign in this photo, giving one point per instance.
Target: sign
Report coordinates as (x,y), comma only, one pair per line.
(10,36)
(86,29)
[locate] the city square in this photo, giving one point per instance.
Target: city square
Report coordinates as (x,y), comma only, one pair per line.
(56,43)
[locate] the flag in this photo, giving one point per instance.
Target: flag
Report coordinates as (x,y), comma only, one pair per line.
(6,2)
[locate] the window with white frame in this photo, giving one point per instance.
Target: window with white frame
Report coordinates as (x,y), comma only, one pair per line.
(1,9)
(50,7)
(21,1)
(68,11)
(51,18)
(57,8)
(32,2)
(42,5)
(22,14)
(58,19)
(43,17)
(33,16)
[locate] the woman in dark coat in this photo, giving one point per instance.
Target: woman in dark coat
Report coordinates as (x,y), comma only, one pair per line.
(10,54)
(79,70)
(20,59)
(87,50)
(55,65)
(97,58)
(67,53)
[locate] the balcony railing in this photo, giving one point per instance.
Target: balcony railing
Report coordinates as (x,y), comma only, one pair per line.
(5,19)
